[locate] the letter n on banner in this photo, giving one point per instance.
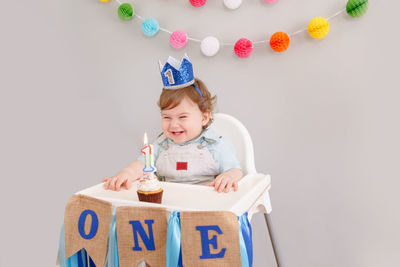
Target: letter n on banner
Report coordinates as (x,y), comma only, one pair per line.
(86,225)
(210,238)
(141,235)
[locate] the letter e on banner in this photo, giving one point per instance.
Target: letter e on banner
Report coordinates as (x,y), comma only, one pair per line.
(205,242)
(210,238)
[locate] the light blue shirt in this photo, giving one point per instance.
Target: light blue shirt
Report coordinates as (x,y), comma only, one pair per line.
(221,149)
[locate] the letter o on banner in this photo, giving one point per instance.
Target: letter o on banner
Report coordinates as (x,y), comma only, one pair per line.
(86,225)
(93,227)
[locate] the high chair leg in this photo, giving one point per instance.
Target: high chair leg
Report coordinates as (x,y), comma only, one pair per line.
(273,242)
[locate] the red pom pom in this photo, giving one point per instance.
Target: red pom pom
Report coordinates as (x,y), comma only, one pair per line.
(243,48)
(197,3)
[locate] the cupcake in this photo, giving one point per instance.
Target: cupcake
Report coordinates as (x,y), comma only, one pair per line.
(149,189)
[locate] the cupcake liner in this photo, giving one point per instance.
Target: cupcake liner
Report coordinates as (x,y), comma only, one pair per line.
(150,196)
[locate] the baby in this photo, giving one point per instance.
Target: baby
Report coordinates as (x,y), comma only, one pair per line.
(187,151)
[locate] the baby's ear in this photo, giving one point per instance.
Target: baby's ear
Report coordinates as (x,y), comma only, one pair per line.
(206,118)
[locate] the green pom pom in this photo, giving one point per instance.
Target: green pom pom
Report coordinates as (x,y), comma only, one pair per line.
(125,11)
(357,8)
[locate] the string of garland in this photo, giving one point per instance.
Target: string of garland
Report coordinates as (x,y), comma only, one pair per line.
(231,4)
(317,28)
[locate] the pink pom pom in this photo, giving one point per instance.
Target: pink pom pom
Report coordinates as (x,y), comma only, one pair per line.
(197,3)
(270,1)
(243,48)
(178,39)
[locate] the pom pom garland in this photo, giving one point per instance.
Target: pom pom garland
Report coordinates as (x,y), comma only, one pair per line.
(318,28)
(125,11)
(209,46)
(178,39)
(356,8)
(150,27)
(279,41)
(232,4)
(243,48)
(197,3)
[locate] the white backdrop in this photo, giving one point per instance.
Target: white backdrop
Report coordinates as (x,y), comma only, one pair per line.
(79,87)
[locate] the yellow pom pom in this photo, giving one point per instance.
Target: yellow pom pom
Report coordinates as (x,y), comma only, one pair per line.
(104,1)
(318,27)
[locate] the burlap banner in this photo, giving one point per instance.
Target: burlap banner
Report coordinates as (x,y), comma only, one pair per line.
(141,236)
(86,225)
(210,239)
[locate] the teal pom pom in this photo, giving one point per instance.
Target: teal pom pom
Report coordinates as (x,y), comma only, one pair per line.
(125,11)
(356,8)
(150,27)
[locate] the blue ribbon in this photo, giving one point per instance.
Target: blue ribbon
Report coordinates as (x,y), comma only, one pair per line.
(79,259)
(71,261)
(198,90)
(245,237)
(82,258)
(112,253)
(201,95)
(173,249)
(243,251)
(61,247)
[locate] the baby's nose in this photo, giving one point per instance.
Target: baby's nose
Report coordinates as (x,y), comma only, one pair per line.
(174,123)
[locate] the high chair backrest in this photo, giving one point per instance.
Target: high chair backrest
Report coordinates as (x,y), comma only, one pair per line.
(233,130)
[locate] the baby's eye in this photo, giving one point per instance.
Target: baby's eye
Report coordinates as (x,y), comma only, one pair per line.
(166,118)
(182,117)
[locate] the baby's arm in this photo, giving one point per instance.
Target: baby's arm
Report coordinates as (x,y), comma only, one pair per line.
(226,180)
(125,177)
(229,167)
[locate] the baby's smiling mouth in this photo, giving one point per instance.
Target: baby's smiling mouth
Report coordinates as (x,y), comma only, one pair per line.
(177,132)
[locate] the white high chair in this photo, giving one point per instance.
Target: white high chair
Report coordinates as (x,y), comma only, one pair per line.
(252,196)
(233,130)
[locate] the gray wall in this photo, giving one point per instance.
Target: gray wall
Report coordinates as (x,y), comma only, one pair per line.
(75,82)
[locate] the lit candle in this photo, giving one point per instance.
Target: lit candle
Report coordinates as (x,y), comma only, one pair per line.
(148,156)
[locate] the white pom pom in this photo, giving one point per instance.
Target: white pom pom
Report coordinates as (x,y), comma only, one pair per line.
(232,4)
(209,46)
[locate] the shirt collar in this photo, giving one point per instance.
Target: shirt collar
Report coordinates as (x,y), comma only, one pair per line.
(207,134)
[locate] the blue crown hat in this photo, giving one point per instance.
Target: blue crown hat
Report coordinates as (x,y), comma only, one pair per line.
(176,75)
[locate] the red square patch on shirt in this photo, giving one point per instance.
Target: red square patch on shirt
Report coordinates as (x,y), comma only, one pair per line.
(181,166)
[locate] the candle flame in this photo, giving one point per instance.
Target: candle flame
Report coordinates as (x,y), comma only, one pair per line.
(145,141)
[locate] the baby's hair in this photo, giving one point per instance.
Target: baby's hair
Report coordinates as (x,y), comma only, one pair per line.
(171,98)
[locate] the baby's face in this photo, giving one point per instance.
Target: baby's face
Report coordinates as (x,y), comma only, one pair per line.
(183,122)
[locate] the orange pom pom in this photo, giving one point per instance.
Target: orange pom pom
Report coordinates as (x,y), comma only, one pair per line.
(279,41)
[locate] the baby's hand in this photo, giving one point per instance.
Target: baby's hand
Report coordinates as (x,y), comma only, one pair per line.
(225,181)
(118,181)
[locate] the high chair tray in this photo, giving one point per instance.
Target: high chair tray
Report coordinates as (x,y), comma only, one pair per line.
(186,197)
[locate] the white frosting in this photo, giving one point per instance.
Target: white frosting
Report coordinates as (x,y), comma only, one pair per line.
(149,185)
